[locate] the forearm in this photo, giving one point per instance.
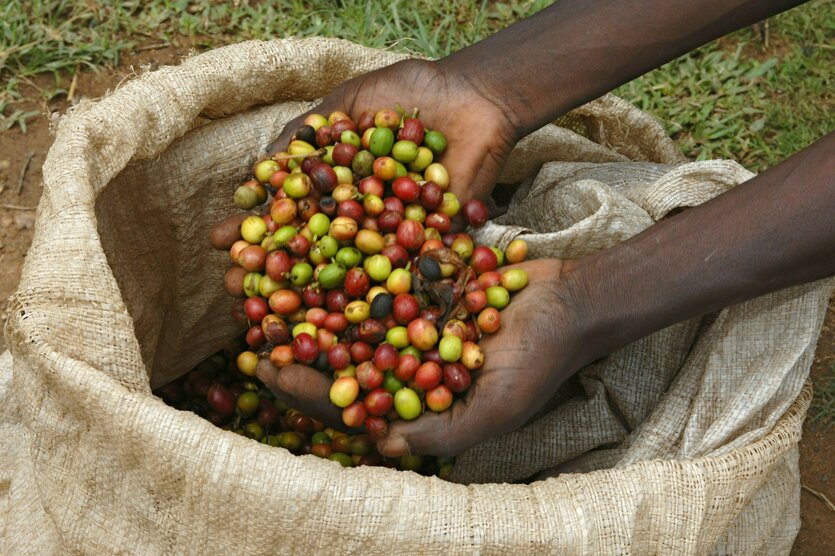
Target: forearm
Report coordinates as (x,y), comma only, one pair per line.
(774,231)
(577,50)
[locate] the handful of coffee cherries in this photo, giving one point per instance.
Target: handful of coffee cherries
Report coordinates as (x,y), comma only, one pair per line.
(353,269)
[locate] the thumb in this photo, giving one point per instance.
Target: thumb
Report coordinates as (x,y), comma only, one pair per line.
(448,433)
(303,388)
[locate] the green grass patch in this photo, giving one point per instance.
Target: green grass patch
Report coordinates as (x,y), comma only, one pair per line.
(733,99)
(726,100)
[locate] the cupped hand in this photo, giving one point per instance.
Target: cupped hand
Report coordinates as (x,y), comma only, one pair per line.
(478,131)
(537,348)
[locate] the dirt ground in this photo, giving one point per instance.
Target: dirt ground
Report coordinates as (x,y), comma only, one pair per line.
(18,195)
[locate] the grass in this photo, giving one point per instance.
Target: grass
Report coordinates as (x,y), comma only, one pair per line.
(734,99)
(729,99)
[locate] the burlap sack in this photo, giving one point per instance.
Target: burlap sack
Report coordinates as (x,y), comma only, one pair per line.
(682,443)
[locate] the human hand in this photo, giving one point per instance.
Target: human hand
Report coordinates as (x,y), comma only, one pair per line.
(479,133)
(538,346)
(534,351)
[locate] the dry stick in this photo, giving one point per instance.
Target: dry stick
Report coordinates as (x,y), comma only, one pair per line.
(822,496)
(73,84)
(17,207)
(155,46)
(23,172)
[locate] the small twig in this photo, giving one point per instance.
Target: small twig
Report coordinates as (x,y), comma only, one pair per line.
(73,85)
(17,207)
(155,46)
(822,496)
(29,158)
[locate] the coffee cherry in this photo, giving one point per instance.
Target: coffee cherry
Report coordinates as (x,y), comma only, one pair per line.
(344,391)
(343,228)
(371,331)
(406,189)
(471,356)
(450,348)
(378,402)
(256,308)
(489,320)
(456,377)
(517,251)
(475,301)
(404,151)
(514,279)
(397,336)
(361,351)
(357,282)
(436,172)
(422,334)
(439,398)
(323,177)
(407,404)
(357,311)
(381,306)
(489,279)
(245,198)
(369,376)
(281,356)
(385,168)
(483,260)
(410,235)
(343,155)
(389,221)
(476,213)
(397,254)
(386,357)
(412,131)
(381,142)
(305,348)
(285,302)
(378,267)
(354,415)
(387,118)
(497,297)
(436,141)
(246,362)
(405,309)
(220,399)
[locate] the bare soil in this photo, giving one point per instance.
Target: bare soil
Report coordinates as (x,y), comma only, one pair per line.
(817,535)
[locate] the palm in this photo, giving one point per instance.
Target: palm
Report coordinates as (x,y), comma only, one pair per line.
(478,133)
(525,362)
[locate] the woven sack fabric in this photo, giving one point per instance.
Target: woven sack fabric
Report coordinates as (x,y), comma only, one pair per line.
(684,442)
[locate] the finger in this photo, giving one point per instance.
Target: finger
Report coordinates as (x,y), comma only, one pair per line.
(448,433)
(227,231)
(473,170)
(302,388)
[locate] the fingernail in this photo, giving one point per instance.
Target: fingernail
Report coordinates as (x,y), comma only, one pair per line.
(393,446)
(264,370)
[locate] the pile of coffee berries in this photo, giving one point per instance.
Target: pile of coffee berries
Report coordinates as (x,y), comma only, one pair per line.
(216,390)
(354,269)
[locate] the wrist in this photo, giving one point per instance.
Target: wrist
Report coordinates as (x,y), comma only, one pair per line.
(593,287)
